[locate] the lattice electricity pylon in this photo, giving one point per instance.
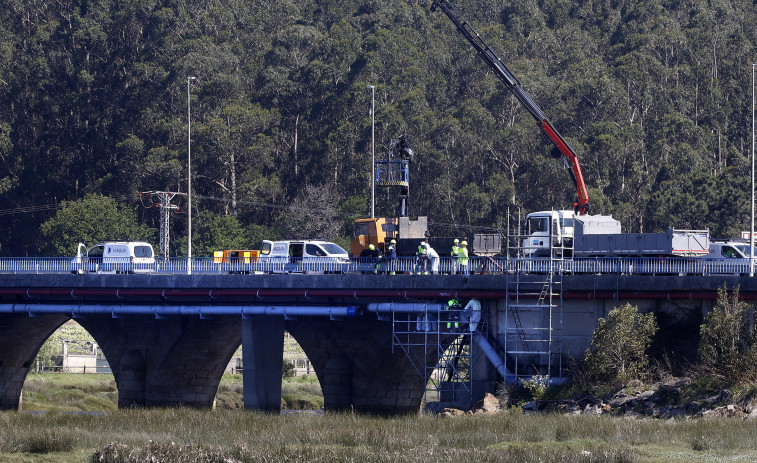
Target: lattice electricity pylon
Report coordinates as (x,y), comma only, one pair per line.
(164,203)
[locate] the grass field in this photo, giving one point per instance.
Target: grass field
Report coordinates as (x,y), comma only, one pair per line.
(68,392)
(189,435)
(229,434)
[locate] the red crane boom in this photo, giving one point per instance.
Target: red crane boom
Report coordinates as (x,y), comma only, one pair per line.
(581,205)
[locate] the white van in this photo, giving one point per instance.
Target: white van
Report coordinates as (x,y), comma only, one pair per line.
(116,257)
(729,257)
(728,250)
(303,257)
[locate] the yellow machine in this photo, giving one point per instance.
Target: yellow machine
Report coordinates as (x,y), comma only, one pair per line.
(379,230)
(372,231)
(234,257)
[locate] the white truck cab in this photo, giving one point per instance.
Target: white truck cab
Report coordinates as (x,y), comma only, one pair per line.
(303,256)
(542,225)
(729,258)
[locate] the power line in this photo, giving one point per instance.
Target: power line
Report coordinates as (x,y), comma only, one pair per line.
(312,212)
(49,207)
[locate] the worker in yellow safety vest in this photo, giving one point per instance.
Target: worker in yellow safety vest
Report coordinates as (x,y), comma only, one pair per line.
(391,256)
(462,257)
(454,254)
(422,259)
(453,315)
(376,255)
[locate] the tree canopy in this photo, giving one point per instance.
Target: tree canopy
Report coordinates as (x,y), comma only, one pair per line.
(653,96)
(92,219)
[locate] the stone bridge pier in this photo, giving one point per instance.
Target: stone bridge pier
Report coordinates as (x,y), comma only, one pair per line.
(357,367)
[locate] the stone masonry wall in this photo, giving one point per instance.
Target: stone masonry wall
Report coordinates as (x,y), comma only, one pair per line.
(357,368)
(174,361)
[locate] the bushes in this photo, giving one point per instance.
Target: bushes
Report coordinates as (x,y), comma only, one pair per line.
(727,352)
(728,341)
(618,351)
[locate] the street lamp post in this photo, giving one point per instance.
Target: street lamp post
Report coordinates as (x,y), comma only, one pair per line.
(189,176)
(373,149)
(751,235)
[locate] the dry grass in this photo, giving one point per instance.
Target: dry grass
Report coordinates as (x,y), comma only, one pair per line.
(179,435)
(229,435)
(50,392)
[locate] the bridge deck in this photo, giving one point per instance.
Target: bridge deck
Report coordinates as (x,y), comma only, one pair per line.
(341,289)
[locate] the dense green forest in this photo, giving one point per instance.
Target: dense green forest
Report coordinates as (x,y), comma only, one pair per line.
(654,96)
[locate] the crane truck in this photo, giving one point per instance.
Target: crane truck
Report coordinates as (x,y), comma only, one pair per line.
(570,234)
(581,204)
(582,234)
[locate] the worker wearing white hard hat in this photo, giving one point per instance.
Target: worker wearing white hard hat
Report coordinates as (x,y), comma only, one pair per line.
(433,256)
(391,256)
(454,255)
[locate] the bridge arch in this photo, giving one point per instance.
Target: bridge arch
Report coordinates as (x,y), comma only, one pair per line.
(155,362)
(170,361)
(21,337)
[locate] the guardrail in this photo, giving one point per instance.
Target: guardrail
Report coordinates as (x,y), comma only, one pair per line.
(401,265)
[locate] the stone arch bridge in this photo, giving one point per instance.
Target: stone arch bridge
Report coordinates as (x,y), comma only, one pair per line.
(168,338)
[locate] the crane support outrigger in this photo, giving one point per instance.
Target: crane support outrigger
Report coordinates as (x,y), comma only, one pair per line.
(581,205)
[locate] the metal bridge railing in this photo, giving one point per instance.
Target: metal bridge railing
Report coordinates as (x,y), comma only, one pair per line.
(402,265)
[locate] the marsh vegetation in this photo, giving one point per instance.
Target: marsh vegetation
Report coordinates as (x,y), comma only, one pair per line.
(177,434)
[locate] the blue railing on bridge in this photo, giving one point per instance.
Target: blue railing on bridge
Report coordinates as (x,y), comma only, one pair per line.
(402,265)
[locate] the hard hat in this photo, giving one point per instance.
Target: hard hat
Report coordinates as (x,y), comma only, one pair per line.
(371,247)
(393,242)
(457,240)
(464,243)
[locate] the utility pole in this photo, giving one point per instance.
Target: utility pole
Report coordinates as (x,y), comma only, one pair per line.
(373,149)
(189,174)
(166,208)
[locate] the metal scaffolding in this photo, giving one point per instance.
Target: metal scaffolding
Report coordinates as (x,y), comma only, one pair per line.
(438,344)
(533,324)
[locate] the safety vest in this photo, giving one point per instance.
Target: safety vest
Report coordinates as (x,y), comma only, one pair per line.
(421,250)
(463,255)
(453,304)
(455,250)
